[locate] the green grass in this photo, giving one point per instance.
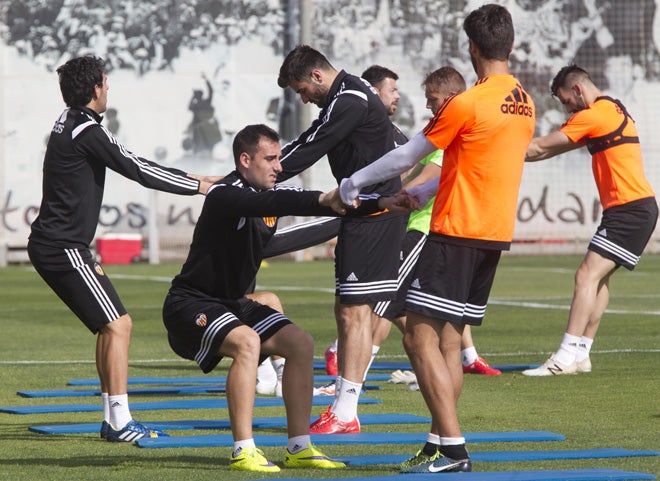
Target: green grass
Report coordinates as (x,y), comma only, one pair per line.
(43,346)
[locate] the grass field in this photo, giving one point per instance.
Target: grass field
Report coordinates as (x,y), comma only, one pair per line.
(43,346)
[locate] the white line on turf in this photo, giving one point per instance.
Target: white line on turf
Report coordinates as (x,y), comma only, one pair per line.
(538,305)
(508,301)
(383,358)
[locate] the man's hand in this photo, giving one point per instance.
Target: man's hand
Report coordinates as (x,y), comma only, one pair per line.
(400,202)
(349,193)
(205,181)
(331,199)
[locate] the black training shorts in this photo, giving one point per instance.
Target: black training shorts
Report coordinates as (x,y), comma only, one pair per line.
(625,230)
(80,282)
(452,282)
(197,325)
(367,258)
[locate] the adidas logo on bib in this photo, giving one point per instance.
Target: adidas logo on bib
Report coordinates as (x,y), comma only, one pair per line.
(352,277)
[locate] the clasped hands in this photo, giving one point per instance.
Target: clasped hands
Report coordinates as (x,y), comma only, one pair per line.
(402,201)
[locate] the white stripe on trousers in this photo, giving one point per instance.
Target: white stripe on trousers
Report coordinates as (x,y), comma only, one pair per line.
(93,284)
(405,268)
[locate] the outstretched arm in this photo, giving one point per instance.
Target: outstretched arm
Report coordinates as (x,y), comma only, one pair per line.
(302,235)
(554,143)
(428,172)
(346,113)
(205,181)
(390,165)
(209,89)
(331,199)
(100,144)
(423,192)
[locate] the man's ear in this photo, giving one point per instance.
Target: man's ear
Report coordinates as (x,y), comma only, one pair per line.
(577,88)
(316,76)
(244,160)
(472,48)
(97,92)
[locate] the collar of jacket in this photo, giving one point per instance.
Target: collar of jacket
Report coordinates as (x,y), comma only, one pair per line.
(91,112)
(334,88)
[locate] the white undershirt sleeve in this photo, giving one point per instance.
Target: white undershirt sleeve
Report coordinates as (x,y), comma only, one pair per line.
(425,191)
(390,165)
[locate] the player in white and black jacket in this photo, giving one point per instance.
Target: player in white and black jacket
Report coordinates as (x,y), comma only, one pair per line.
(236,223)
(208,316)
(79,151)
(352,129)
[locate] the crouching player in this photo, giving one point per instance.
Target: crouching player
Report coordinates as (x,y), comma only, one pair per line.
(208,316)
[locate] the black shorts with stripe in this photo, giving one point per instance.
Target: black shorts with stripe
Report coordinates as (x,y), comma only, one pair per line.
(80,282)
(197,325)
(412,246)
(625,230)
(367,258)
(452,282)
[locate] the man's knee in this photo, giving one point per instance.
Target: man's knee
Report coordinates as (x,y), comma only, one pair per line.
(241,342)
(354,315)
(409,342)
(291,341)
(119,327)
(304,343)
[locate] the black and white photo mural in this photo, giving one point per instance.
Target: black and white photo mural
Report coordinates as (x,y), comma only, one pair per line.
(185,75)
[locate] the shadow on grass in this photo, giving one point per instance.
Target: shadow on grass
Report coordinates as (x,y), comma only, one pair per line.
(119,459)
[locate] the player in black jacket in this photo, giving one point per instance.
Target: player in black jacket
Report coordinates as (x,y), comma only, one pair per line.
(79,151)
(353,130)
(208,316)
(316,231)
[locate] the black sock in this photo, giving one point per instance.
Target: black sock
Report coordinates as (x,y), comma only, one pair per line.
(430,449)
(454,451)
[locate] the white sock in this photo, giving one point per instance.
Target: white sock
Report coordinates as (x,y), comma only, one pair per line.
(469,355)
(278,365)
(266,373)
(347,398)
(106,407)
(567,349)
(120,414)
(433,438)
(583,348)
(333,346)
(451,441)
(298,443)
(241,445)
(338,382)
(374,351)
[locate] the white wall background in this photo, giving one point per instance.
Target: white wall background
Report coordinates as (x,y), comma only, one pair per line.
(556,197)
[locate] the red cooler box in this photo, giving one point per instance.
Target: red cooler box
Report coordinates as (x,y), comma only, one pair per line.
(119,248)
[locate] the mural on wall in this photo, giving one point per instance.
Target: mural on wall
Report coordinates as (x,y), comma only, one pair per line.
(185,75)
(136,35)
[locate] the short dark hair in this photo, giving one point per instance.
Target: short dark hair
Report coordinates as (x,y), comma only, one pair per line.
(299,63)
(247,139)
(444,76)
(376,74)
(78,77)
(568,75)
(490,28)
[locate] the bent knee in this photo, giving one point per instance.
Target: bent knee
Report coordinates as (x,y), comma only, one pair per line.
(408,340)
(305,342)
(298,340)
(120,326)
(584,275)
(291,342)
(242,341)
